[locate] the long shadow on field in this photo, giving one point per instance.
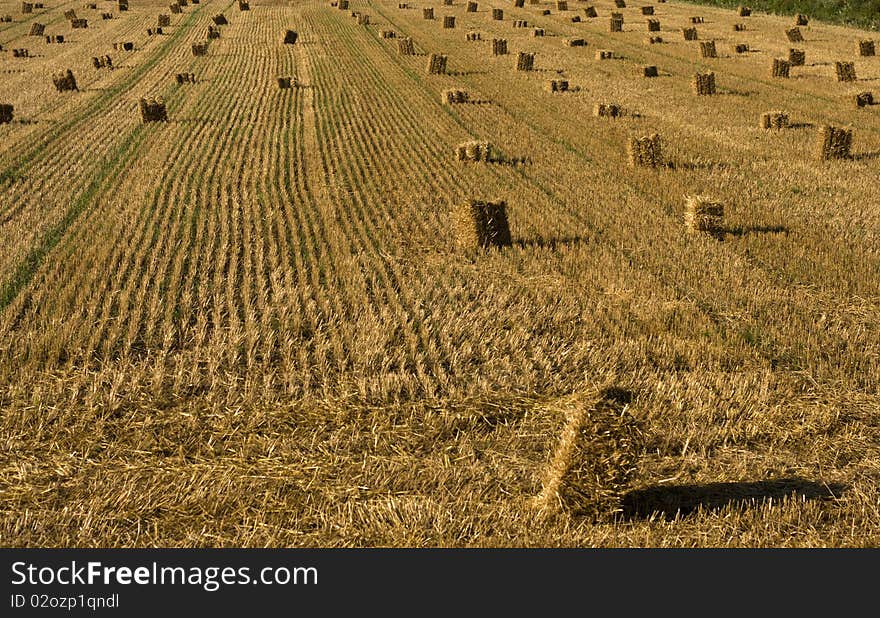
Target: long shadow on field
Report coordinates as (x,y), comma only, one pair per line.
(670,500)
(550,243)
(864,156)
(757,229)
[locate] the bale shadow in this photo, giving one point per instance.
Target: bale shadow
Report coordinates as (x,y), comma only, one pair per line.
(865,156)
(465,73)
(738,93)
(801,125)
(671,500)
(550,243)
(696,165)
(757,229)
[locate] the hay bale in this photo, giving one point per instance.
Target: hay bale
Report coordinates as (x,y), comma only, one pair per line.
(79,23)
(69,14)
(703,214)
(620,4)
(199,49)
(561,5)
(864,99)
(545,12)
(519,3)
(5,19)
(645,151)
(833,143)
(37,29)
(650,71)
(499,47)
(243,5)
(794,35)
(604,54)
(164,21)
(283,83)
(6,113)
(690,34)
(363,19)
(55,38)
(405,46)
(607,110)
(595,458)
(538,32)
(106,16)
(185,78)
(389,34)
(743,11)
(343,5)
(801,20)
(290,37)
(122,5)
(866,48)
(20,53)
(175,9)
(846,71)
(525,61)
(437,64)
(576,19)
(696,20)
(707,49)
(781,68)
(453,96)
(653,40)
(774,120)
(590,11)
(520,23)
(739,27)
(447,3)
(64,81)
(212,33)
(101,62)
(153,110)
(741,48)
(220,20)
(647,10)
(797,57)
(498,14)
(27,7)
(474,36)
(616,24)
(575,42)
(428,13)
(557,85)
(449,21)
(704,84)
(471,7)
(481,224)
(653,25)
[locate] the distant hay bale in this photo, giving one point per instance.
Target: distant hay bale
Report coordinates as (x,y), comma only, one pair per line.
(794,35)
(102,62)
(284,83)
(37,29)
(69,14)
(455,95)
(595,458)
(185,78)
(175,9)
(575,42)
(538,32)
(774,120)
(474,151)
(576,19)
(471,7)
(498,14)
(557,85)
(220,20)
(290,37)
(647,10)
(653,40)
(703,214)
(561,5)
(5,19)
(55,38)
(363,19)
(645,151)
(27,7)
(797,57)
(801,20)
(696,20)
(704,84)
(781,68)
(708,50)
(243,5)
(428,12)
(79,23)
(520,23)
(153,110)
(743,11)
(199,49)
(741,48)
(449,21)
(653,25)
(343,5)
(864,99)
(212,33)
(405,46)
(866,48)
(447,3)
(64,81)
(389,34)
(525,61)
(123,46)
(499,47)
(519,3)
(604,54)
(833,143)
(650,71)
(20,53)
(616,24)
(846,71)
(690,34)
(739,27)
(6,113)
(122,5)
(481,224)
(545,12)
(607,110)
(474,36)
(590,11)
(106,15)
(620,4)
(164,21)
(437,64)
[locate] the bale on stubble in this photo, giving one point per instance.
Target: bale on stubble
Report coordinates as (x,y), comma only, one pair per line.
(797,57)
(607,110)
(846,71)
(557,85)
(743,11)
(703,84)
(590,11)
(833,143)
(863,99)
(781,68)
(6,113)
(774,120)
(866,48)
(498,14)
(405,46)
(499,47)
(690,34)
(437,64)
(455,95)
(801,20)
(645,151)
(708,50)
(653,25)
(650,71)
(525,61)
(794,35)
(616,24)
(449,21)
(480,224)
(290,37)
(703,214)
(153,110)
